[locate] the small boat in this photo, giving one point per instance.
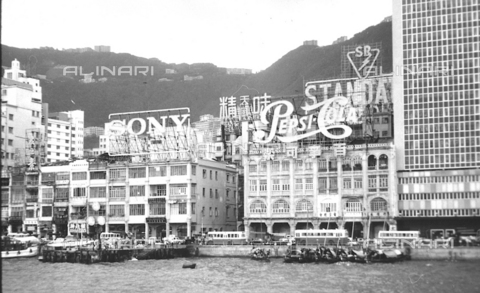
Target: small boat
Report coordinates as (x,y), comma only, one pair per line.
(12,248)
(260,254)
(384,256)
(189,265)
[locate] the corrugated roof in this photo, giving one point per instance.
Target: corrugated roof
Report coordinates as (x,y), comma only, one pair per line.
(11,82)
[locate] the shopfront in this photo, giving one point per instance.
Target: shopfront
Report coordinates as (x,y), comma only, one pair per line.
(157,227)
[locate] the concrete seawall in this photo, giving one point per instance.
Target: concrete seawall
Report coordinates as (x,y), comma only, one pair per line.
(457,253)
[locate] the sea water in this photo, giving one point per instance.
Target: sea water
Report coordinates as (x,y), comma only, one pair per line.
(239,275)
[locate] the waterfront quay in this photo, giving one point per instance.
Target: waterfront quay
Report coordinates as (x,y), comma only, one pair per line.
(424,253)
(90,255)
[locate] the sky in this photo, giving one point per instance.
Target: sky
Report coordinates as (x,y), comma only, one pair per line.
(250,34)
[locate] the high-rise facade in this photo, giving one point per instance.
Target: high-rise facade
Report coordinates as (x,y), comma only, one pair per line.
(436,88)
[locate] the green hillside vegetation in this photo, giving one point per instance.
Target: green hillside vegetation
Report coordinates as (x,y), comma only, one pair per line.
(137,93)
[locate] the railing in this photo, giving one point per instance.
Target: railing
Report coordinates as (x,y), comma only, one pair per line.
(158,194)
(32,182)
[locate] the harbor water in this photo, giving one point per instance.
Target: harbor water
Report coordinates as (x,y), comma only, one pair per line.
(239,275)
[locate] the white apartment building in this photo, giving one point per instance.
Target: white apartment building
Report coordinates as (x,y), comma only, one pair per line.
(65,135)
(21,124)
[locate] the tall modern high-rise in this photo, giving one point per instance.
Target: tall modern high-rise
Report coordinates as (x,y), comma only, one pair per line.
(436,88)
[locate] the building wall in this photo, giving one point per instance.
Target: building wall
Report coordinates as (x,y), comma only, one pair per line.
(65,136)
(313,192)
(66,192)
(436,90)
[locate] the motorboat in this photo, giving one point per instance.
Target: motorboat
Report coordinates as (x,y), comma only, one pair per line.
(13,248)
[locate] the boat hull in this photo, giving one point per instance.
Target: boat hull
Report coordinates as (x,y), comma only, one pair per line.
(29,252)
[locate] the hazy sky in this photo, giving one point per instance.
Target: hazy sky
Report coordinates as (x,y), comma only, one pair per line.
(243,33)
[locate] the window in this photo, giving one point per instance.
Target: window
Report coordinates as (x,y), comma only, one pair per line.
(276,184)
(211,175)
(79,192)
(378,204)
(117,192)
(137,190)
(98,192)
(304,206)
(258,206)
(204,174)
(10,130)
(228,178)
(263,166)
(178,170)
(372,182)
(216,175)
(353,205)
(98,175)
(227,194)
(322,184)
(383,182)
(263,185)
(79,176)
(182,208)
(203,192)
(347,183)
(137,209)
(285,165)
(298,165)
(275,166)
(253,185)
(157,208)
(281,206)
(157,171)
(117,211)
(158,190)
(10,116)
(216,193)
(10,142)
(358,183)
(136,173)
(46,211)
(118,174)
(252,168)
(194,170)
(234,194)
(285,184)
(308,183)
(211,193)
(308,165)
(298,184)
(333,184)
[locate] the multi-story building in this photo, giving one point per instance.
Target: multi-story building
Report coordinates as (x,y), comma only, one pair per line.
(22,143)
(94,130)
(354,190)
(22,131)
(149,200)
(65,135)
(436,88)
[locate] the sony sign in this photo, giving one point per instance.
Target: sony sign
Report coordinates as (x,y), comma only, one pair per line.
(151,125)
(332,104)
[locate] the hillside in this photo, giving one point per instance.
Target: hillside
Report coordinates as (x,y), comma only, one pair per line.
(134,93)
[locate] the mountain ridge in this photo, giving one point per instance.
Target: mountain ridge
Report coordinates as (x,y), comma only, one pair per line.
(138,93)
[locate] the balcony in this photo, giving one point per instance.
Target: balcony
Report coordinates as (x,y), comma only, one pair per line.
(379,214)
(159,194)
(78,201)
(32,199)
(352,214)
(328,214)
(61,198)
(117,198)
(46,200)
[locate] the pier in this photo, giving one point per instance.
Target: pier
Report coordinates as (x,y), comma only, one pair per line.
(89,255)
